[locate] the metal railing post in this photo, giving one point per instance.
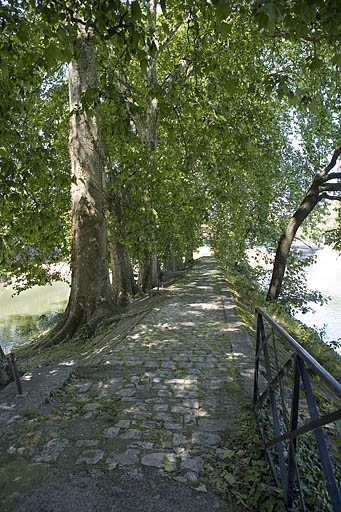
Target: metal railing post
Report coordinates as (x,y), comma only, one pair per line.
(288,465)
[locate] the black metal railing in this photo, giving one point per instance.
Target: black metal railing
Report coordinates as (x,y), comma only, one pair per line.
(285,405)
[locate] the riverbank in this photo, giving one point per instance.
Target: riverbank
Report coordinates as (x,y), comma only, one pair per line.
(148,383)
(159,399)
(248,295)
(323,276)
(25,315)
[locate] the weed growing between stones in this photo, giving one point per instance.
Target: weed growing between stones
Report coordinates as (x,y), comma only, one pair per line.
(231,385)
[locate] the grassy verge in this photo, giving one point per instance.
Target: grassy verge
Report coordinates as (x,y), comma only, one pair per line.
(239,468)
(248,295)
(33,353)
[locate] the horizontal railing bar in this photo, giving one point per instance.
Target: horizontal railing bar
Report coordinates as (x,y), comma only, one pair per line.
(308,427)
(331,382)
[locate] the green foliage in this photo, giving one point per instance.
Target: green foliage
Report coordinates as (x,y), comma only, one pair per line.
(234,85)
(239,469)
(295,293)
(248,295)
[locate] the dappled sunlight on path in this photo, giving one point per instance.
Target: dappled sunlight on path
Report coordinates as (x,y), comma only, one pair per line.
(161,398)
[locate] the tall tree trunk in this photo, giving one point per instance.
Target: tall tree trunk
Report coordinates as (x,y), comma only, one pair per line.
(148,271)
(90,296)
(170,264)
(189,257)
(123,283)
(318,190)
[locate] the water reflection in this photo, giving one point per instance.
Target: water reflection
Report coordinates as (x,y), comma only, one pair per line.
(21,315)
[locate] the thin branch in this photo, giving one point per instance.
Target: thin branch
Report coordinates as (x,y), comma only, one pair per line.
(167,39)
(182,131)
(332,176)
(114,29)
(140,228)
(179,70)
(125,87)
(327,196)
(332,162)
(331,187)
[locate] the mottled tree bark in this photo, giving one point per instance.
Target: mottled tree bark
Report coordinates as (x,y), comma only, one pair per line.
(148,271)
(90,296)
(123,283)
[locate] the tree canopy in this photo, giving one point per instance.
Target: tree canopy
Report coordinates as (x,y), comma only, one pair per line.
(215,114)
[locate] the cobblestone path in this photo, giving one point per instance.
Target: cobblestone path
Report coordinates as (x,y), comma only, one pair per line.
(161,399)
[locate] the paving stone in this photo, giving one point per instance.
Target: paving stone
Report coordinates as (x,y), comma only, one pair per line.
(131,434)
(126,392)
(142,444)
(51,450)
(87,442)
(179,440)
(90,457)
(191,476)
(80,388)
(129,457)
(160,407)
(92,406)
(213,425)
(178,409)
(205,438)
(192,404)
(150,364)
(194,464)
(154,459)
(150,424)
(142,415)
(173,426)
(163,416)
(202,413)
(122,424)
(164,393)
(115,380)
(111,432)
(190,419)
(153,400)
(186,394)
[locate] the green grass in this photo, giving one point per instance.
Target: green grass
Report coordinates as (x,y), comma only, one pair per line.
(248,296)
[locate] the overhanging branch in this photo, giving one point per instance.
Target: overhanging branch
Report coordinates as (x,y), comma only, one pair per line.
(332,176)
(331,187)
(332,162)
(328,196)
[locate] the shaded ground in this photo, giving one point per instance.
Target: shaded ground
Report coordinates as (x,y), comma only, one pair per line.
(130,429)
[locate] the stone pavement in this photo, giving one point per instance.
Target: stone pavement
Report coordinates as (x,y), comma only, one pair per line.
(159,401)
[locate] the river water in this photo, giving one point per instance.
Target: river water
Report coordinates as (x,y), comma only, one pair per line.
(325,276)
(21,315)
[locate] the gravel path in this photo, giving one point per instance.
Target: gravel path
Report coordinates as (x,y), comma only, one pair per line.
(131,433)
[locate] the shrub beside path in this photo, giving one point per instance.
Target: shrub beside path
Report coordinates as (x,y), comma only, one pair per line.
(130,432)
